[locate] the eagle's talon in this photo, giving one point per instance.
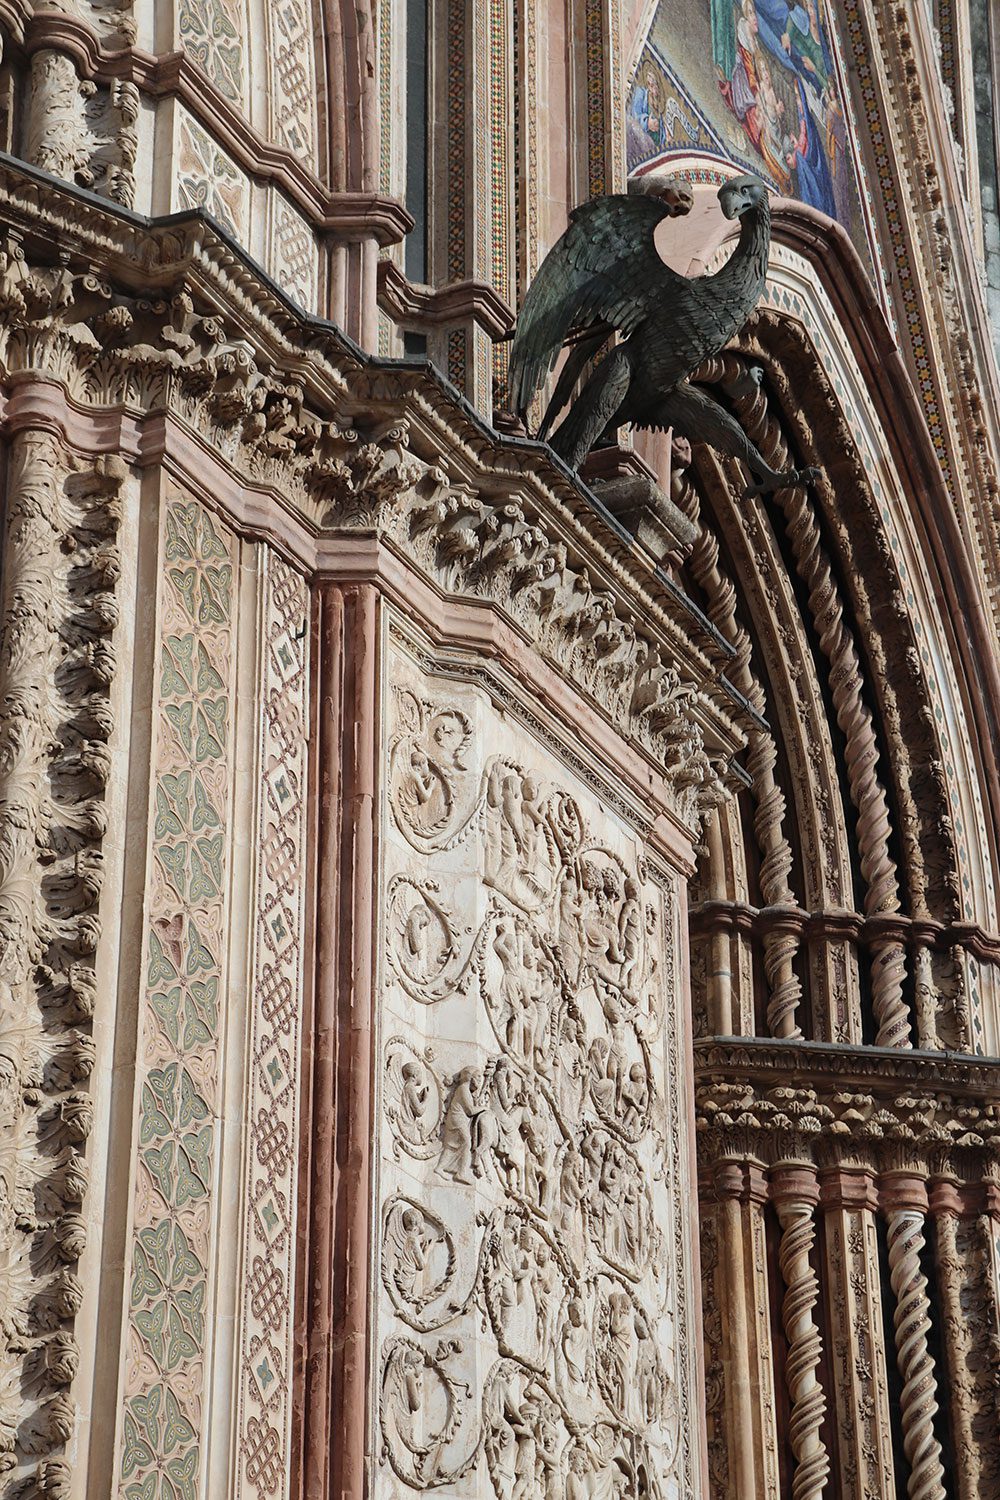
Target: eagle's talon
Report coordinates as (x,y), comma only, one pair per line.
(605,274)
(785,481)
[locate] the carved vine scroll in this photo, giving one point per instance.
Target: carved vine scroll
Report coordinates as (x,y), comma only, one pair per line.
(57,662)
(533,1328)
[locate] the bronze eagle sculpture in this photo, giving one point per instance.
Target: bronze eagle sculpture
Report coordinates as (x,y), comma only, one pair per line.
(604,275)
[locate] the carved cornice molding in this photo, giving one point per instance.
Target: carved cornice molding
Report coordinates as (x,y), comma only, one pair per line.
(345,444)
(358,216)
(883,1109)
(406,302)
(881,1070)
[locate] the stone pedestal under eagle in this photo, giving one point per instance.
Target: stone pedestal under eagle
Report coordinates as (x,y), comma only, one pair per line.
(605,275)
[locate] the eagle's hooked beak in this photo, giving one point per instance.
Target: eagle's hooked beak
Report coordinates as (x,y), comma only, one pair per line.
(739,195)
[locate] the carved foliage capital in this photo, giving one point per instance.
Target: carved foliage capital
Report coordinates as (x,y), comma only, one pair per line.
(343,460)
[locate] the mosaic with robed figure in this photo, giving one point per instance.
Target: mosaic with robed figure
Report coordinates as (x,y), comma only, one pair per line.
(759,83)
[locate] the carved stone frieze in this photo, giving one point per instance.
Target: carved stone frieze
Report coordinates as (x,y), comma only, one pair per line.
(57,663)
(533,1327)
(545,561)
(856,1122)
(881,1071)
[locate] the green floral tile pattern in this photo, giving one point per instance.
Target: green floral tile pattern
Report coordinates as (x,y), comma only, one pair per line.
(180,1022)
(212,32)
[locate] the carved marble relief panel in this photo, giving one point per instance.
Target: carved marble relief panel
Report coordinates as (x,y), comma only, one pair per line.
(533,1305)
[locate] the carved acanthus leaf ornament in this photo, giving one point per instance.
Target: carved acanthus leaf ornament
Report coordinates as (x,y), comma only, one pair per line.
(506,542)
(882,1124)
(57,662)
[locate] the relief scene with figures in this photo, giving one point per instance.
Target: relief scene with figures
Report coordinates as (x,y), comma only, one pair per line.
(757,82)
(534,1313)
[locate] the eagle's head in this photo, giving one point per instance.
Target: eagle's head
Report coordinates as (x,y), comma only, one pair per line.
(740,194)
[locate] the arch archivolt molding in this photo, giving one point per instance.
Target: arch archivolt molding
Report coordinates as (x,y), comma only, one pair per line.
(834,1157)
(798,716)
(894,556)
(911,768)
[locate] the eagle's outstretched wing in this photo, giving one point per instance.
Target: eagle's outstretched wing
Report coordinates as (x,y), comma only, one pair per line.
(605,269)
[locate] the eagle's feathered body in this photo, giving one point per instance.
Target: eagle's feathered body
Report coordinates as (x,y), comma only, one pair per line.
(697,319)
(605,275)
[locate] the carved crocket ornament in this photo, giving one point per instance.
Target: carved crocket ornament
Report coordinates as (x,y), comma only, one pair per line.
(605,276)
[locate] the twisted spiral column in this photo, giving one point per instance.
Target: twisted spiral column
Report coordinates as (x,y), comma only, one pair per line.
(779,948)
(846,681)
(795,1196)
(918,1402)
(915,824)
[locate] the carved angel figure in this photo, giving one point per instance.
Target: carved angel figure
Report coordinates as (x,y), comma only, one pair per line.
(409,1244)
(606,275)
(459,1144)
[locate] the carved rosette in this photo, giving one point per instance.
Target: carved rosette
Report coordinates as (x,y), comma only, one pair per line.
(57,663)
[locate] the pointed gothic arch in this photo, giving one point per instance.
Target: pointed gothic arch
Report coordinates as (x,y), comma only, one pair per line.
(847,898)
(840,604)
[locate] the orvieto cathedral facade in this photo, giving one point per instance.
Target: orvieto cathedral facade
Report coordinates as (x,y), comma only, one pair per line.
(499,966)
